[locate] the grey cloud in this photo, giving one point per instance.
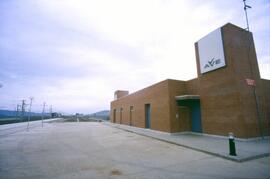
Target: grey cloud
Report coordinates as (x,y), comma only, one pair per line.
(28,46)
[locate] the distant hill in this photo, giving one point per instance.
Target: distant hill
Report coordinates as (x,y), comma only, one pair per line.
(9,113)
(101,114)
(8,116)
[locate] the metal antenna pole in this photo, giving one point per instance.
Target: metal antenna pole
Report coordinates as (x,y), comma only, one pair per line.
(22,109)
(43,110)
(29,111)
(245,8)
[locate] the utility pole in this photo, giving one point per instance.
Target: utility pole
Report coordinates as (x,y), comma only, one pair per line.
(51,110)
(245,8)
(17,111)
(22,109)
(43,111)
(29,111)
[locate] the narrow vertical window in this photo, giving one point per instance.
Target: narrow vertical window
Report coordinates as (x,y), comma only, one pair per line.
(147,116)
(121,110)
(130,115)
(114,115)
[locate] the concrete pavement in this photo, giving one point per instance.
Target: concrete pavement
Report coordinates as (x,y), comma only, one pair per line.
(22,126)
(93,150)
(218,146)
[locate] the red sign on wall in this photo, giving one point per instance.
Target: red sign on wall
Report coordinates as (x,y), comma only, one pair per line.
(250,82)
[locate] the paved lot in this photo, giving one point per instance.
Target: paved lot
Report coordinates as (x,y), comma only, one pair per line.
(94,150)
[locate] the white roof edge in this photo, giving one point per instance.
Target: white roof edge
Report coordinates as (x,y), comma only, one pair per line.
(185,97)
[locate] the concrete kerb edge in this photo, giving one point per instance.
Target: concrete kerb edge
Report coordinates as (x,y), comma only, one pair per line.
(231,158)
(219,136)
(255,157)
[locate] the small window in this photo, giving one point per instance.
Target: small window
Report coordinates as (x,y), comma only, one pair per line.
(114,115)
(121,110)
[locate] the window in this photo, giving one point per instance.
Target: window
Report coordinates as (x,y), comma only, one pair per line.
(121,110)
(130,115)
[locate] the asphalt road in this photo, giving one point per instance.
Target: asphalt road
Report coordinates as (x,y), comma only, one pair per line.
(93,150)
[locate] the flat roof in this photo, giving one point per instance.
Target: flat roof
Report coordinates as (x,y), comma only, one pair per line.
(186,97)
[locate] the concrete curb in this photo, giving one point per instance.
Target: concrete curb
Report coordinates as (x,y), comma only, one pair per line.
(227,157)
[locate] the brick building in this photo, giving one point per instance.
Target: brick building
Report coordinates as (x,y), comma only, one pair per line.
(227,96)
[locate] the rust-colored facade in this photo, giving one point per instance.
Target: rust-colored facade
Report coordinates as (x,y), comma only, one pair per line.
(230,99)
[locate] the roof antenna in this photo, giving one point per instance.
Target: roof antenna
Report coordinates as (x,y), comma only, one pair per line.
(245,8)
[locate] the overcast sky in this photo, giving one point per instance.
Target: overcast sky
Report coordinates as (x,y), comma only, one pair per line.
(73,54)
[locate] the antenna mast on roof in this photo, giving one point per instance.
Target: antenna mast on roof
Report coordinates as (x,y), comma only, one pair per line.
(245,8)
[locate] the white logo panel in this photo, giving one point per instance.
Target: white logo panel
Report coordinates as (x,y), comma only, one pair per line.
(211,52)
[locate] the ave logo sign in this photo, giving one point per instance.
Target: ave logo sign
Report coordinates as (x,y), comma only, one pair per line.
(211,52)
(212,62)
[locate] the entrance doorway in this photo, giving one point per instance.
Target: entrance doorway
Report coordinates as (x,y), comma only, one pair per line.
(196,125)
(147,116)
(193,103)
